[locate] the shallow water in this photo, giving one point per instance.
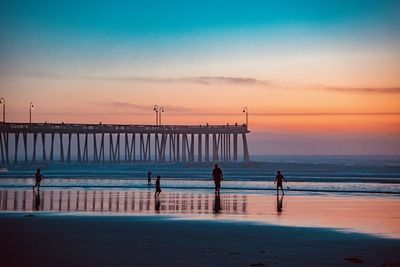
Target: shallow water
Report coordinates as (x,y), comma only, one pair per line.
(372,215)
(249,187)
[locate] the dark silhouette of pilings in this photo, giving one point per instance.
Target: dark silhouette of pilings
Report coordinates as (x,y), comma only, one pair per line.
(128,143)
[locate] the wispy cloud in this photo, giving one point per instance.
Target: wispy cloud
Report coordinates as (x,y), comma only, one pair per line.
(129,106)
(210,80)
(203,80)
(368,90)
(248,81)
(221,80)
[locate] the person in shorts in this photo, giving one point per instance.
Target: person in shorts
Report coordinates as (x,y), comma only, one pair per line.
(158,187)
(38,179)
(218,176)
(278,180)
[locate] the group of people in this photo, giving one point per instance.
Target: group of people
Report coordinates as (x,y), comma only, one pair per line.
(217,176)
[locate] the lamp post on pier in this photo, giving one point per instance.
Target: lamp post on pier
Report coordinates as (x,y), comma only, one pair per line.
(3,102)
(161,111)
(246,112)
(30,112)
(155,108)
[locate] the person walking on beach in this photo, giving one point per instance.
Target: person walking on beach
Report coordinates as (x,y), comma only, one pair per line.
(278,180)
(38,179)
(158,187)
(218,177)
(149,173)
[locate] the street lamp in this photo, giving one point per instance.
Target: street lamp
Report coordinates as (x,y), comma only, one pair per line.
(3,102)
(30,112)
(161,110)
(155,108)
(246,112)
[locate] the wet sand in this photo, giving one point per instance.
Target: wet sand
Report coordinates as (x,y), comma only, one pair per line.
(378,215)
(90,227)
(45,239)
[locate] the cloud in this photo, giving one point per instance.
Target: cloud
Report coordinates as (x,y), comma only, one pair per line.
(203,80)
(221,80)
(130,106)
(368,90)
(210,80)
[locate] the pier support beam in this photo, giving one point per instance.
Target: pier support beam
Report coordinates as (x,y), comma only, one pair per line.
(34,147)
(199,148)
(246,156)
(61,148)
(235,147)
(16,148)
(44,146)
(1,147)
(52,146)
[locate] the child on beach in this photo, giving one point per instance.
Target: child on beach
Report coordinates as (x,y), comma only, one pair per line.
(158,187)
(278,180)
(38,179)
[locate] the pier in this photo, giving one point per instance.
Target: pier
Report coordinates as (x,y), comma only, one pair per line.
(66,142)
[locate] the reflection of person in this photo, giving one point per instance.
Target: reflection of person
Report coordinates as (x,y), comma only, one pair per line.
(37,200)
(218,177)
(217,204)
(158,187)
(149,173)
(278,180)
(279,203)
(157,205)
(38,179)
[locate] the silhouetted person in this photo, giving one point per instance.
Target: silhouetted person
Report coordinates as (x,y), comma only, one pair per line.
(217,204)
(218,177)
(278,180)
(38,179)
(37,200)
(158,187)
(279,203)
(149,173)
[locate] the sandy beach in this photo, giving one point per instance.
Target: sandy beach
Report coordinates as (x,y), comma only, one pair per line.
(64,240)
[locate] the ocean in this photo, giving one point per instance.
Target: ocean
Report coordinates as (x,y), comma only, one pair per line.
(305,174)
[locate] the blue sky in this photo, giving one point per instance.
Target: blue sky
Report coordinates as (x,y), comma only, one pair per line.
(39,35)
(105,20)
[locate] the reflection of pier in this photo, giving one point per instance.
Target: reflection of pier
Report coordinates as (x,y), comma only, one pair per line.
(119,202)
(135,142)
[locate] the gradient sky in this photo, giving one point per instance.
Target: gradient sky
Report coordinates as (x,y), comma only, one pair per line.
(318,77)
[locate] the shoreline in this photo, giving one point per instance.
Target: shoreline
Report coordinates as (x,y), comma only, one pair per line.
(96,240)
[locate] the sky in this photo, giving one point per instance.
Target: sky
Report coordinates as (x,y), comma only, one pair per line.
(317,77)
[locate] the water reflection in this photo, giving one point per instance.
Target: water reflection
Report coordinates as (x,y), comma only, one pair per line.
(157,204)
(120,202)
(217,204)
(36,200)
(279,203)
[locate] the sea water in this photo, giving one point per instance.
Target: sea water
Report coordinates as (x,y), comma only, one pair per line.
(305,175)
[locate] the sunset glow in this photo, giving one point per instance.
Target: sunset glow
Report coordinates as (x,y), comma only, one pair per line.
(310,69)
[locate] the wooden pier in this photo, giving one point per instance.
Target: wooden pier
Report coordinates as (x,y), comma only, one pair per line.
(121,143)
